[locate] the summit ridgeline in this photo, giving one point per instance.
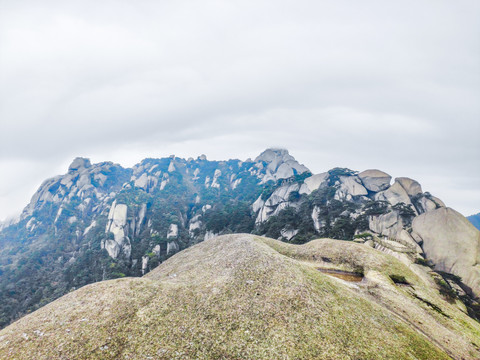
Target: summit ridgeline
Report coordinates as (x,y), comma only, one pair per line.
(102,221)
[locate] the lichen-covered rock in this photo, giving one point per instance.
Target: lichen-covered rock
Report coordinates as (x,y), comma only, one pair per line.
(375,180)
(452,243)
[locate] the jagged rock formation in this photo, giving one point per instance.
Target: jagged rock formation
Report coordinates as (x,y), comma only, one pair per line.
(278,164)
(375,180)
(101,221)
(241,296)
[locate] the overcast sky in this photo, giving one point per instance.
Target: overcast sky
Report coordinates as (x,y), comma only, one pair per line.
(393,85)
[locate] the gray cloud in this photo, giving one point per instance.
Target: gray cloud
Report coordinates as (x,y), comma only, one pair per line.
(365,84)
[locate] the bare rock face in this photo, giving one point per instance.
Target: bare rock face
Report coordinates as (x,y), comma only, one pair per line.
(288,234)
(424,205)
(172,246)
(280,165)
(317,224)
(389,224)
(172,231)
(375,180)
(350,186)
(452,243)
(278,201)
(117,225)
(314,182)
(79,163)
(411,186)
(394,195)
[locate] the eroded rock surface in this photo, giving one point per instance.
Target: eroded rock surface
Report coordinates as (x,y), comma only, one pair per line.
(452,243)
(375,180)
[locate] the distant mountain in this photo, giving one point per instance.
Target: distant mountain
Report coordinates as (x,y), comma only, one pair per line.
(248,297)
(102,221)
(475,220)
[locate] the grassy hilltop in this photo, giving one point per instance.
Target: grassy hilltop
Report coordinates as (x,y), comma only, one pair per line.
(249,297)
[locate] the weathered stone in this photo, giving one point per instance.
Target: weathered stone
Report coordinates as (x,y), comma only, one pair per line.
(142,181)
(216,175)
(288,234)
(278,201)
(116,224)
(79,163)
(172,231)
(195,224)
(172,246)
(314,182)
(452,243)
(280,165)
(258,204)
(389,224)
(349,186)
(144,264)
(404,237)
(411,186)
(424,204)
(209,235)
(375,180)
(317,224)
(394,194)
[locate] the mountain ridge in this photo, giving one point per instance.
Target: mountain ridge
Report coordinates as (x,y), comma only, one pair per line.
(103,221)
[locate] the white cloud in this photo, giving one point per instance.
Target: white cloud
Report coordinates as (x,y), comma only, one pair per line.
(338,83)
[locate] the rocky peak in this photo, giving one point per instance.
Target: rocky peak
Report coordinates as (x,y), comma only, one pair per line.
(279,164)
(375,180)
(79,163)
(412,187)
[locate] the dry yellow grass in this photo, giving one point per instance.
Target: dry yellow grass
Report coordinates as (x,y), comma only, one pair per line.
(247,297)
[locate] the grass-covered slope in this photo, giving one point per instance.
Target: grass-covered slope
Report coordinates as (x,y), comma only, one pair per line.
(247,297)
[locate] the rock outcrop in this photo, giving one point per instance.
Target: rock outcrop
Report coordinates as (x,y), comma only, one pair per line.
(350,186)
(411,186)
(375,180)
(117,225)
(143,215)
(452,243)
(394,194)
(279,164)
(314,182)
